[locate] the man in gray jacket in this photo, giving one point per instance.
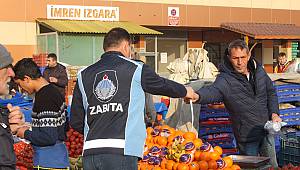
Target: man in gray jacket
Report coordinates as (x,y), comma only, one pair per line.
(249,96)
(10,117)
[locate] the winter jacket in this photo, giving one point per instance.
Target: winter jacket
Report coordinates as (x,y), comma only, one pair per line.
(59,72)
(7,154)
(282,69)
(108,104)
(250,107)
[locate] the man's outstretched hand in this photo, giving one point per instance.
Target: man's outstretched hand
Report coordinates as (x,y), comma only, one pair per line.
(191,95)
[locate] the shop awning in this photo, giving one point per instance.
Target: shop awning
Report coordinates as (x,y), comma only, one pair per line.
(97,27)
(264,30)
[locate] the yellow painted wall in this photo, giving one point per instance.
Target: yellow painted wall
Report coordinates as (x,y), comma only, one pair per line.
(271,4)
(18,33)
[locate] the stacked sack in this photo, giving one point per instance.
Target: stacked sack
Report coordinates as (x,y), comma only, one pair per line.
(215,127)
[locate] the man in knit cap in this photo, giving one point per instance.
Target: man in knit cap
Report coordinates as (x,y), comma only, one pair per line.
(11,118)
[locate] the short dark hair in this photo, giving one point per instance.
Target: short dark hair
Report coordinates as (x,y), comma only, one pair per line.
(241,44)
(26,67)
(281,54)
(114,37)
(53,56)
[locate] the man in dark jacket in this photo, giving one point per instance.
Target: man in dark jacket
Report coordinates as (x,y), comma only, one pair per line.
(249,96)
(11,118)
(56,74)
(108,105)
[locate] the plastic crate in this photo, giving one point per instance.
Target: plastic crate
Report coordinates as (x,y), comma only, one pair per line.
(206,115)
(289,150)
(211,129)
(289,111)
(287,87)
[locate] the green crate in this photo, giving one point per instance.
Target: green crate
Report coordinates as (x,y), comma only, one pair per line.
(289,150)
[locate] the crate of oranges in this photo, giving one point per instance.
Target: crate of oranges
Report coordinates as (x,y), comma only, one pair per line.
(170,149)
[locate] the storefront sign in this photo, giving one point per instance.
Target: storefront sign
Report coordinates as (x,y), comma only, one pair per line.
(173,16)
(73,12)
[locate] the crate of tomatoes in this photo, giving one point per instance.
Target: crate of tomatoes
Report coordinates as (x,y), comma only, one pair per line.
(74,145)
(24,154)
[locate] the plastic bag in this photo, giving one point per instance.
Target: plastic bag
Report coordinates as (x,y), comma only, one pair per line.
(274,127)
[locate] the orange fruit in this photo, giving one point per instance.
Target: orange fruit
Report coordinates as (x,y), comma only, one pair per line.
(198,142)
(169,164)
(148,139)
(149,130)
(218,149)
(203,165)
(156,168)
(162,141)
(205,156)
(163,164)
(183,166)
(178,133)
(170,139)
(155,139)
(228,160)
(172,131)
(212,164)
(143,166)
(189,135)
(214,155)
(235,167)
(150,167)
(175,165)
(149,145)
(227,168)
(197,155)
(194,166)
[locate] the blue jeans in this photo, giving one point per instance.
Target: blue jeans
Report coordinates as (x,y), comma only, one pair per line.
(264,147)
(109,162)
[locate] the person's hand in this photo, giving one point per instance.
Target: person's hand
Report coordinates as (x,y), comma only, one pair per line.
(276,118)
(14,128)
(21,131)
(190,95)
(15,116)
(53,80)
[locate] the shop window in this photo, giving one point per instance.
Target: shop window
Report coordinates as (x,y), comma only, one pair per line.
(172,43)
(215,52)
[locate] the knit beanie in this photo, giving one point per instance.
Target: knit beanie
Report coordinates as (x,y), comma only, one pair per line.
(5,57)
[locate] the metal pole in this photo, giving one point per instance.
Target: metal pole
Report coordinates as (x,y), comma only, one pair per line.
(94,55)
(156,57)
(57,46)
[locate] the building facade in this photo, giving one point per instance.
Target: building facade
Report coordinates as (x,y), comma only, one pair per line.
(185,24)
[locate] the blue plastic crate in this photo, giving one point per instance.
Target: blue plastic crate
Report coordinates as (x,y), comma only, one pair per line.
(206,115)
(225,144)
(289,111)
(211,129)
(211,110)
(287,87)
(288,99)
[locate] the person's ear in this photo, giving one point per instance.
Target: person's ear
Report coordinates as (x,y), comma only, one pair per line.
(27,79)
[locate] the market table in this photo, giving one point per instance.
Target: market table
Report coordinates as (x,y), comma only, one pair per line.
(251,162)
